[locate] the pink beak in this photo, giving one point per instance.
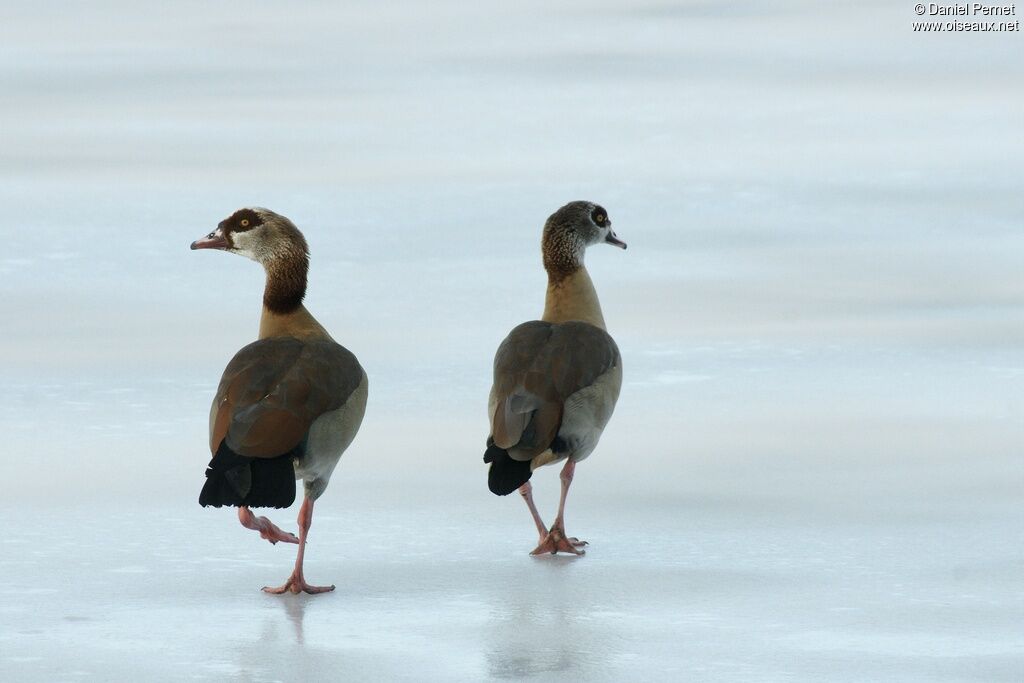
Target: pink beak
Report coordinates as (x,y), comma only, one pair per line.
(211,241)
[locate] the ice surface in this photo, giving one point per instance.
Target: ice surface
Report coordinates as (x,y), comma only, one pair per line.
(701,588)
(814,471)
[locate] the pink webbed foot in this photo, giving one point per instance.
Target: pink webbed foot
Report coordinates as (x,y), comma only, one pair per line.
(297,584)
(557,542)
(268,530)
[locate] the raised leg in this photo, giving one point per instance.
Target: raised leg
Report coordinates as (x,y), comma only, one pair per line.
(556,541)
(267,529)
(526,491)
(296,583)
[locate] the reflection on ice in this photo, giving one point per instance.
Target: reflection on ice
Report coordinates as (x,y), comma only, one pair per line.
(541,623)
(701,588)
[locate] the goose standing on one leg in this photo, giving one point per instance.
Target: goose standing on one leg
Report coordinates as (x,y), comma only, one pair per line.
(289,404)
(556,379)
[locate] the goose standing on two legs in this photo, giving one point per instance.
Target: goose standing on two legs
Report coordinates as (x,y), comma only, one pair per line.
(288,404)
(556,379)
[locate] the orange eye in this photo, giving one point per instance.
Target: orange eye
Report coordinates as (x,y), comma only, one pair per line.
(245,222)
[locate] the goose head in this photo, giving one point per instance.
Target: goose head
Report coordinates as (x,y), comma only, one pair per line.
(274,242)
(258,234)
(570,230)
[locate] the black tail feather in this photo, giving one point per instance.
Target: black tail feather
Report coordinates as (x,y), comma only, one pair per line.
(235,480)
(506,475)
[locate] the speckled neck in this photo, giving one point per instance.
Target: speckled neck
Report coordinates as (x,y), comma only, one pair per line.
(560,264)
(562,250)
(571,296)
(286,282)
(283,312)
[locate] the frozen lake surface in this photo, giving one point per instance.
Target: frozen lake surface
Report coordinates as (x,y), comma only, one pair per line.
(814,471)
(700,589)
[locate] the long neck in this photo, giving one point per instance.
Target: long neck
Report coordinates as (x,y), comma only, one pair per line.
(286,282)
(572,297)
(283,312)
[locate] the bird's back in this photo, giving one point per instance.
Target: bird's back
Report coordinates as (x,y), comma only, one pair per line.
(271,394)
(538,369)
(274,389)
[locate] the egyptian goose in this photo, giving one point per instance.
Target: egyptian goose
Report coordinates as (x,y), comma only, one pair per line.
(556,379)
(288,404)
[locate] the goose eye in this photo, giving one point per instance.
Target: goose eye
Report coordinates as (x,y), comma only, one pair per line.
(245,223)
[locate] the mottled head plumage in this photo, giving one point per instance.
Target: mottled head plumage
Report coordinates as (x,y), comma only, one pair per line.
(569,231)
(263,236)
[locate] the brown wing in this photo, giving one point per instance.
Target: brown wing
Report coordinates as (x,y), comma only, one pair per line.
(536,368)
(273,390)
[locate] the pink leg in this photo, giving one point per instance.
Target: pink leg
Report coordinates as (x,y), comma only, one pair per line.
(526,491)
(296,583)
(267,529)
(556,541)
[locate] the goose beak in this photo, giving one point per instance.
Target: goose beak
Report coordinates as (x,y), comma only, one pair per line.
(614,241)
(215,240)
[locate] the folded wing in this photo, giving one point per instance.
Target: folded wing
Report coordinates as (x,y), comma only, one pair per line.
(273,390)
(536,368)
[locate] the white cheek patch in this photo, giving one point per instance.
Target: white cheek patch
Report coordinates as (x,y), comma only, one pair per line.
(244,244)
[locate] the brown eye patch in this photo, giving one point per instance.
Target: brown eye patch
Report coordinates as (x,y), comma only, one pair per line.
(242,220)
(599,215)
